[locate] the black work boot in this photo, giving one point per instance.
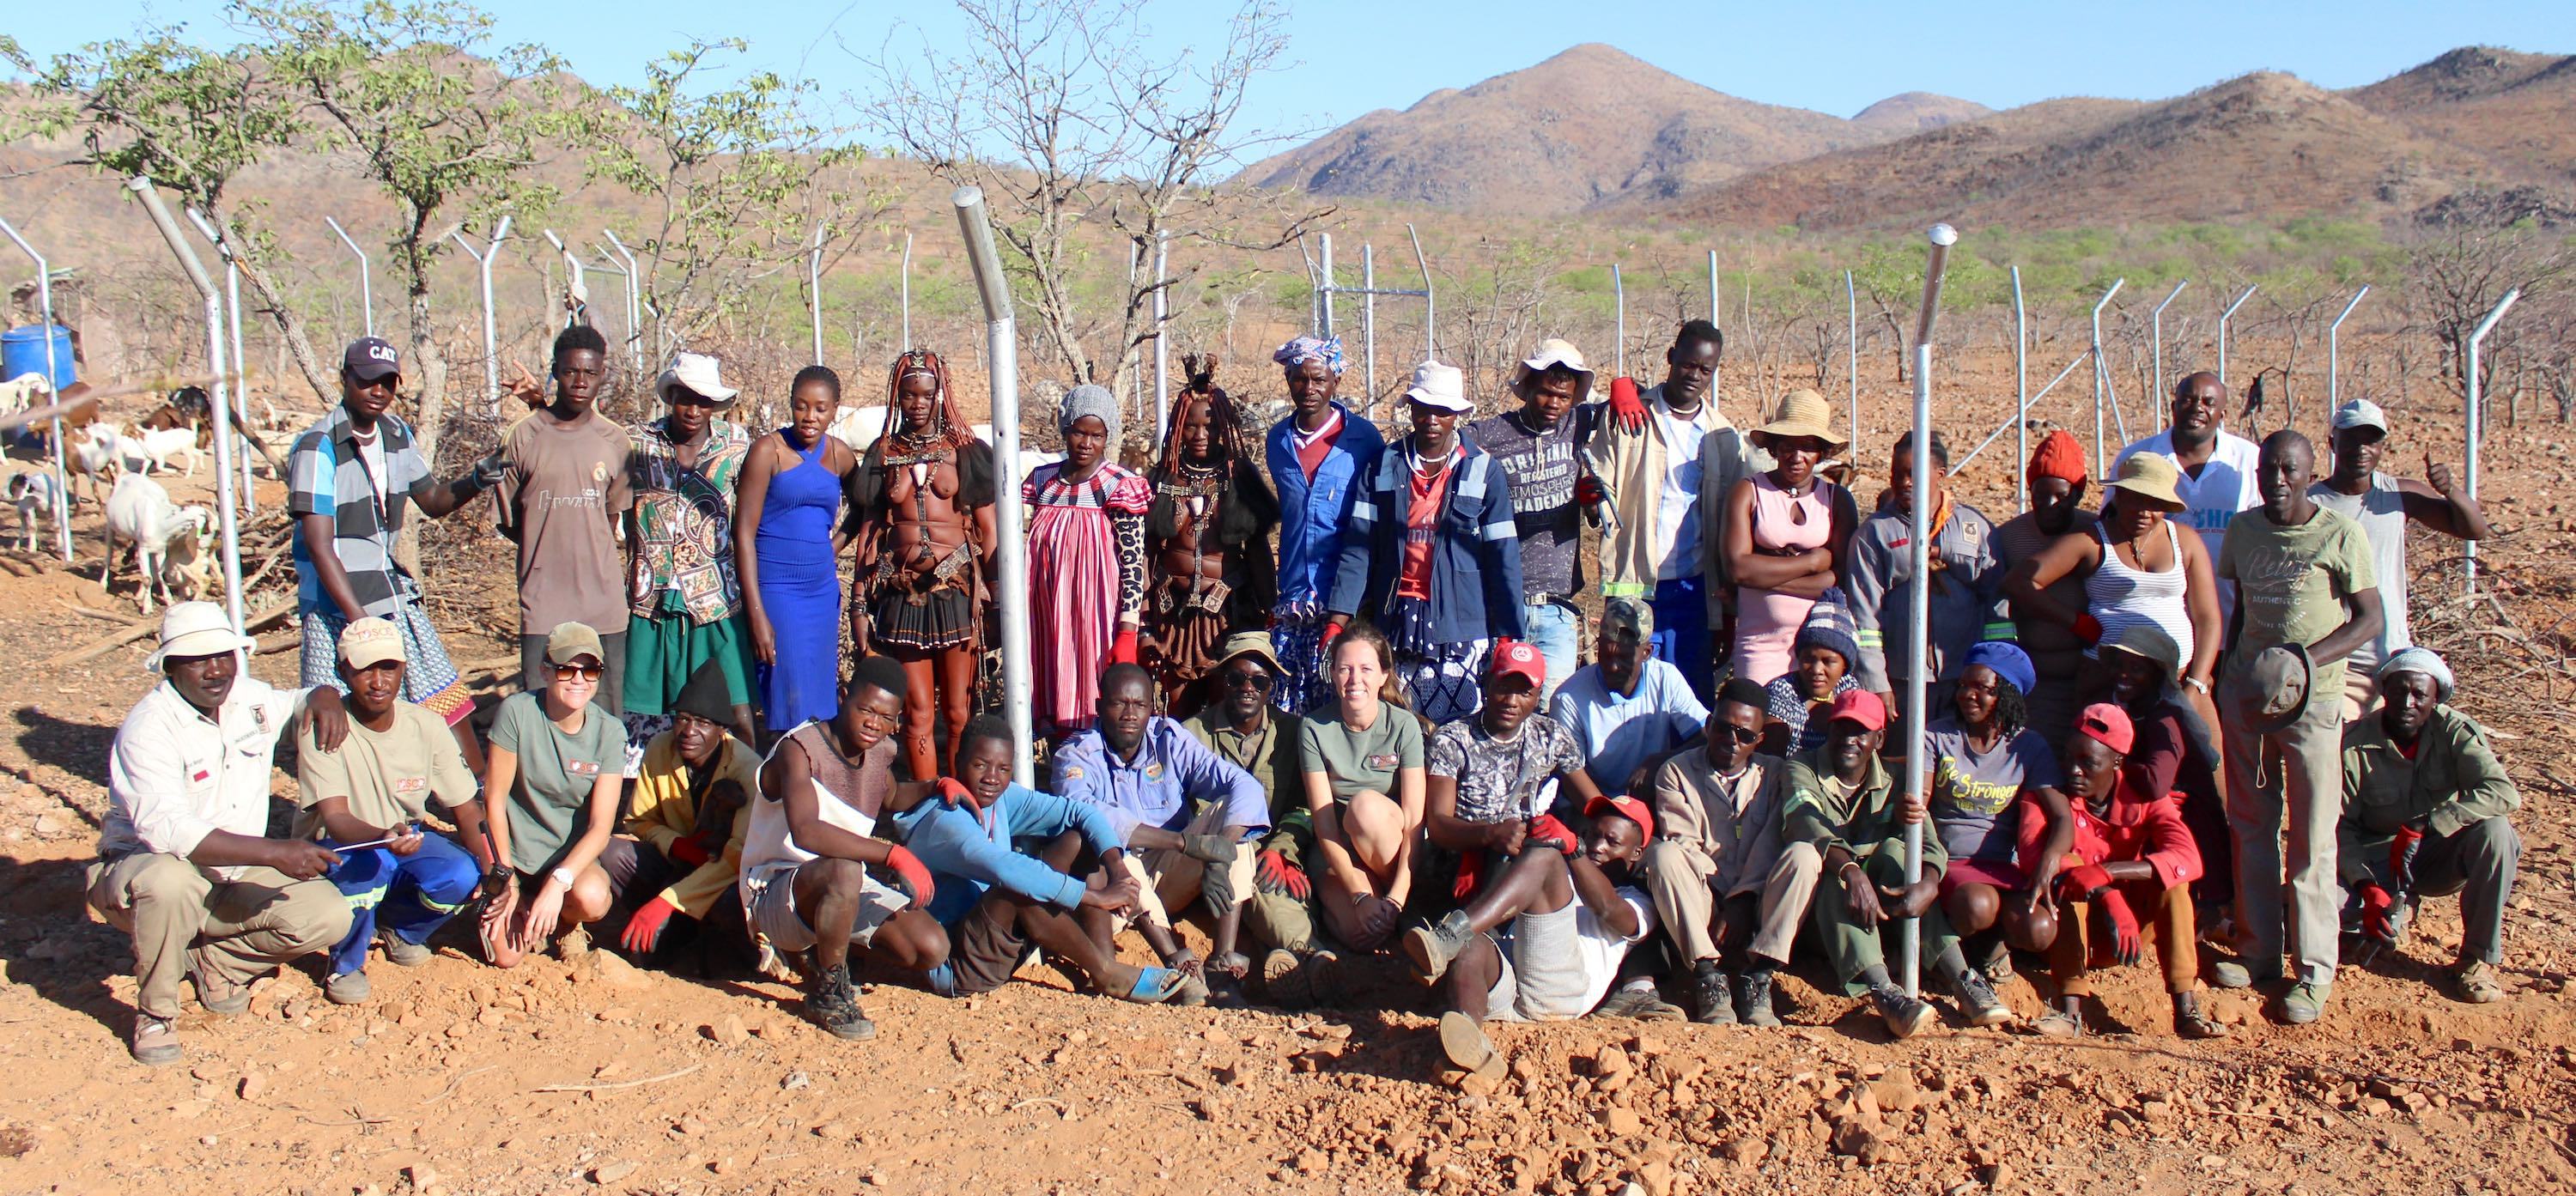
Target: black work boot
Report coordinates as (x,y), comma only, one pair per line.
(1753,1000)
(833,1003)
(1711,1003)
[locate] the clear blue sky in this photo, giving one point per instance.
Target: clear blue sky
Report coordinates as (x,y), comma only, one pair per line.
(1355,55)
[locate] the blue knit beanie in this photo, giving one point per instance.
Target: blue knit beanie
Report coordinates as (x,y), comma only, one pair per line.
(1829,625)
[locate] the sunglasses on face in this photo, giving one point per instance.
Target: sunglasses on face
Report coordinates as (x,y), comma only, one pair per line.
(580,672)
(1738,734)
(1257,682)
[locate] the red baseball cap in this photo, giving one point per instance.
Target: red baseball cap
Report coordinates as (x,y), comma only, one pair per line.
(1634,810)
(1860,706)
(2109,724)
(1518,658)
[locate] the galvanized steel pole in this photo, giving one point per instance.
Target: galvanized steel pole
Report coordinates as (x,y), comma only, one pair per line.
(45,311)
(1162,356)
(1851,347)
(2099,459)
(2021,392)
(2156,328)
(2477,422)
(814,290)
(2334,354)
(226,516)
(1619,323)
(1326,253)
(635,305)
(1430,300)
(1368,322)
(483,259)
(366,281)
(1919,616)
(580,282)
(2225,318)
(232,327)
(1004,376)
(907,292)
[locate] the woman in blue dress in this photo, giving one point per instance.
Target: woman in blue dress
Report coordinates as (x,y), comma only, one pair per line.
(788,548)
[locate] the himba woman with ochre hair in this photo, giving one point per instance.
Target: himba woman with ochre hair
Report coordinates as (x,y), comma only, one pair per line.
(1207,539)
(921,515)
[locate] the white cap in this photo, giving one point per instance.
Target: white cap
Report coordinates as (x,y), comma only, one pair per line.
(699,374)
(1441,386)
(2360,413)
(191,629)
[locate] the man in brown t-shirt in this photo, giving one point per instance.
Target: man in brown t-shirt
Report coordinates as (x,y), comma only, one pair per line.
(562,493)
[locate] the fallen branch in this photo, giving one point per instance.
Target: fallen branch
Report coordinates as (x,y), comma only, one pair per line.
(143,629)
(450,1090)
(620,1084)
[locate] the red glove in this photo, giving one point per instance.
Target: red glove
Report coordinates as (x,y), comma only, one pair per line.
(688,850)
(1589,491)
(644,930)
(2401,856)
(916,878)
(1324,642)
(1546,831)
(1123,649)
(1627,404)
(2088,629)
(2376,923)
(1272,873)
(953,793)
(2126,946)
(2082,882)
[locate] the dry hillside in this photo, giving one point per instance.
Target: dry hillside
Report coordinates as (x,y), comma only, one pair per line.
(2517,110)
(1915,111)
(1586,125)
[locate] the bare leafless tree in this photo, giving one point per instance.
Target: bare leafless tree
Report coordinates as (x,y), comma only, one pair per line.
(1079,131)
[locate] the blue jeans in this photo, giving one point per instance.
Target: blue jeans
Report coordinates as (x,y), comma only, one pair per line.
(412,895)
(1555,630)
(1681,632)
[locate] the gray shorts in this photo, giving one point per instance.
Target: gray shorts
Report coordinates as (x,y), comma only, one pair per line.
(773,909)
(1558,965)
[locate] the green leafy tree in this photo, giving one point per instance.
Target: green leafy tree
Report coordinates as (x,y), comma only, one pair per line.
(736,177)
(449,134)
(193,119)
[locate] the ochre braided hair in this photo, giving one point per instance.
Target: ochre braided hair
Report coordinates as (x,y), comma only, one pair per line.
(1225,420)
(953,427)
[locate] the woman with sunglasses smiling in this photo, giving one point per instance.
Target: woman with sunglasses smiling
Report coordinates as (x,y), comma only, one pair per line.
(561,765)
(1786,534)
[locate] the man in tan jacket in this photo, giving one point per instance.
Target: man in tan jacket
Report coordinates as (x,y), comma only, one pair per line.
(1727,890)
(1646,454)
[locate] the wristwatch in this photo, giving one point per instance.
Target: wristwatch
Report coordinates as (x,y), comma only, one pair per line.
(562,876)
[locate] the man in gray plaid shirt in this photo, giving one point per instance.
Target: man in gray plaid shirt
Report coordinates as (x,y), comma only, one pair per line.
(348,479)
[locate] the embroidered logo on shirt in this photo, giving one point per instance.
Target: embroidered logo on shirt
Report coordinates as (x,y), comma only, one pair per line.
(582,768)
(1073,772)
(1154,771)
(416,784)
(1382,761)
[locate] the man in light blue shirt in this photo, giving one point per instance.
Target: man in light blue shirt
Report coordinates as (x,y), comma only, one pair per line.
(1176,803)
(1628,710)
(997,901)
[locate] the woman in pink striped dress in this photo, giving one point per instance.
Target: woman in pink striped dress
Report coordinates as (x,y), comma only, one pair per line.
(1086,563)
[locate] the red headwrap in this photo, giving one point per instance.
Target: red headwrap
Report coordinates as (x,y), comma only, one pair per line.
(2058,456)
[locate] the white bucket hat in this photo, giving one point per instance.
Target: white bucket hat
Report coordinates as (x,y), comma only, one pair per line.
(1441,386)
(697,373)
(1554,352)
(195,629)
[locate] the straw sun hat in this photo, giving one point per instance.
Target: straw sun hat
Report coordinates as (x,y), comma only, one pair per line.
(1802,413)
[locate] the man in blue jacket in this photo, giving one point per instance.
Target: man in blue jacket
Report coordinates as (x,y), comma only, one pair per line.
(998,900)
(1434,554)
(1317,457)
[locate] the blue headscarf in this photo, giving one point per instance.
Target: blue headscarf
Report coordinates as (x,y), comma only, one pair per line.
(1326,349)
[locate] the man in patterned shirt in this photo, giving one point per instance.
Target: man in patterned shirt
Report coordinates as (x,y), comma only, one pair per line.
(682,593)
(348,479)
(1494,778)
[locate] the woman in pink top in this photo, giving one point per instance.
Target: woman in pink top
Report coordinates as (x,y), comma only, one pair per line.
(1786,533)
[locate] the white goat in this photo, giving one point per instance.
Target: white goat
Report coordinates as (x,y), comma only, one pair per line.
(95,456)
(160,444)
(21,392)
(37,498)
(169,540)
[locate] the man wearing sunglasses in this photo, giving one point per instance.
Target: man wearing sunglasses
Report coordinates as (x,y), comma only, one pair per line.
(1239,724)
(1726,888)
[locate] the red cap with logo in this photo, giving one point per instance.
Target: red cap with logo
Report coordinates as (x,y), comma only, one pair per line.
(1860,706)
(1518,658)
(1631,808)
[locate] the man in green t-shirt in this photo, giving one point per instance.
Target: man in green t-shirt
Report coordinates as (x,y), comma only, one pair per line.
(2305,587)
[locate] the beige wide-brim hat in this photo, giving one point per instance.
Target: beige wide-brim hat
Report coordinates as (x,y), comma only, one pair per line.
(193,629)
(1554,352)
(1441,386)
(1801,414)
(697,373)
(2151,476)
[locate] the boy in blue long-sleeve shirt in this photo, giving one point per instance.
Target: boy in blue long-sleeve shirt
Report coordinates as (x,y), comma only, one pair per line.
(1012,866)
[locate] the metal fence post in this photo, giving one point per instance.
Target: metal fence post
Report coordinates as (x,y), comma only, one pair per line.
(1618,323)
(232,326)
(635,304)
(580,281)
(483,260)
(814,290)
(2099,459)
(1162,317)
(1919,618)
(907,292)
(2334,354)
(366,281)
(227,517)
(2225,318)
(1326,253)
(1004,380)
(1368,320)
(1851,347)
(45,312)
(2477,419)
(2156,328)
(2021,393)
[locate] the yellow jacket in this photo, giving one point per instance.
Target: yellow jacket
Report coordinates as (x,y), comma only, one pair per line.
(664,813)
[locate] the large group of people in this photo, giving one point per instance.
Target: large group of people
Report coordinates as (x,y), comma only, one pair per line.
(1338,701)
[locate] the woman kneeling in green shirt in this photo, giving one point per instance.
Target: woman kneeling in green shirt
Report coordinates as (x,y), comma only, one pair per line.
(1363,766)
(562,766)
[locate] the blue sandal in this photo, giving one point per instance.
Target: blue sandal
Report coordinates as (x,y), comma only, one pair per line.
(1155,985)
